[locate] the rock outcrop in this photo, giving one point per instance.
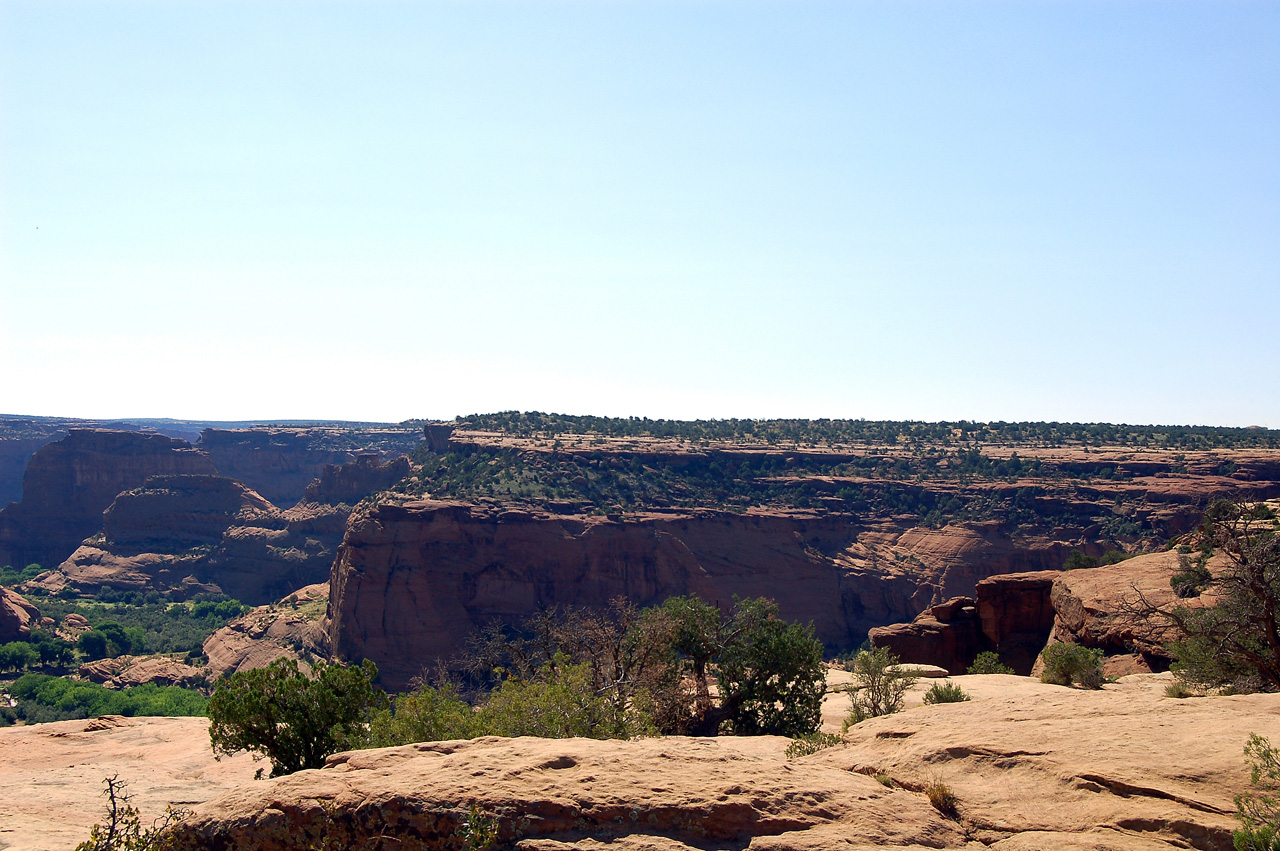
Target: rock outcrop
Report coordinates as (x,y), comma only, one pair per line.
(290,629)
(672,794)
(1018,614)
(126,671)
(51,774)
(350,483)
(1032,767)
(185,535)
(1010,615)
(413,580)
(17,616)
(69,483)
(280,463)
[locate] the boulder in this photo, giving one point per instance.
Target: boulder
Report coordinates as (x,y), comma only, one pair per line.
(17,616)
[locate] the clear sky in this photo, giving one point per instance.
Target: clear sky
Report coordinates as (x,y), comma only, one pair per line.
(382,210)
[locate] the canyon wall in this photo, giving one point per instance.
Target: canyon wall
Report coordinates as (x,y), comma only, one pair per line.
(69,483)
(413,580)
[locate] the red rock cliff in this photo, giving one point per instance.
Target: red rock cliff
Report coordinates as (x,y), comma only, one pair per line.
(69,483)
(413,580)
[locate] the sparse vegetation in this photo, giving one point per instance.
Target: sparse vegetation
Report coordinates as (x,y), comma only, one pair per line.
(942,797)
(945,692)
(622,673)
(879,685)
(1259,810)
(812,743)
(1065,664)
(987,662)
(122,830)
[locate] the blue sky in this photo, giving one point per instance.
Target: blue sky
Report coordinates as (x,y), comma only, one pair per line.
(378,210)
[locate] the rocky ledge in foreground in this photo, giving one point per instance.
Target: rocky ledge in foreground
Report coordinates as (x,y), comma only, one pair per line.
(1033,767)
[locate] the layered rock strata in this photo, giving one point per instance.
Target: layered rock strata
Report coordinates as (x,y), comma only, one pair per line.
(413,580)
(69,483)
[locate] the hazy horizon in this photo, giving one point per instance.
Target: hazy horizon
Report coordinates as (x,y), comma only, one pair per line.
(988,211)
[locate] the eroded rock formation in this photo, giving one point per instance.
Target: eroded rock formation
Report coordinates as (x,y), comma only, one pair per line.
(280,463)
(69,483)
(290,629)
(186,535)
(1032,767)
(17,616)
(413,580)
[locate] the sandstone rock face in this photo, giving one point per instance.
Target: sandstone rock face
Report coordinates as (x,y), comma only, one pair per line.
(350,483)
(413,580)
(279,463)
(178,512)
(1033,767)
(1010,615)
(185,535)
(290,629)
(1044,767)
(125,671)
(51,774)
(69,483)
(1090,605)
(674,793)
(17,616)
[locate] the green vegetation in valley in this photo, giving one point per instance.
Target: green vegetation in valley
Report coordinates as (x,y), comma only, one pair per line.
(141,623)
(42,697)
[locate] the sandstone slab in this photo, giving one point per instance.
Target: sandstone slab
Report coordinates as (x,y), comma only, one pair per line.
(51,774)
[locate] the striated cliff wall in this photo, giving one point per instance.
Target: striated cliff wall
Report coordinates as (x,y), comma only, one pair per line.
(412,580)
(69,483)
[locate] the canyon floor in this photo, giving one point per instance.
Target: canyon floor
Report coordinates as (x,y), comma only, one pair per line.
(1033,766)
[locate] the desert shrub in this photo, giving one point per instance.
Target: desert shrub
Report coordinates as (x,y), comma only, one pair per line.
(945,692)
(942,798)
(430,714)
(292,719)
(1259,812)
(1065,664)
(661,662)
(123,829)
(879,684)
(989,663)
(812,743)
(559,704)
(1078,560)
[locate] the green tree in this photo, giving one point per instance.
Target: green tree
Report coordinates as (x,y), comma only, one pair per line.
(293,719)
(18,656)
(880,684)
(770,673)
(1235,642)
(1259,811)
